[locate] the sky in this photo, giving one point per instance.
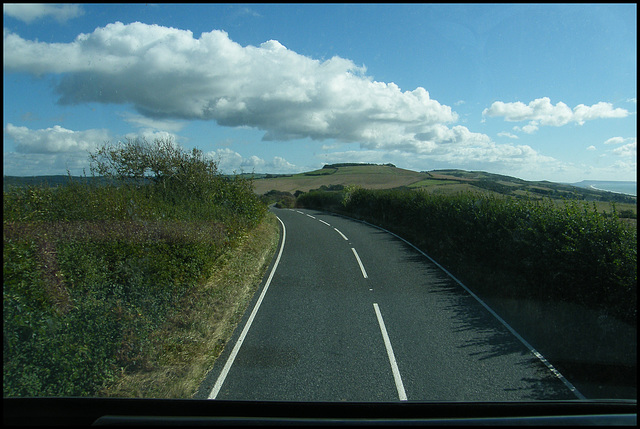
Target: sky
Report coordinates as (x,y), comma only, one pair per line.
(534,91)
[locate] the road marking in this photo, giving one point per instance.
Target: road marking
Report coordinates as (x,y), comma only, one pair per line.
(364,273)
(537,354)
(392,358)
(299,211)
(236,348)
(340,233)
(324,222)
(310,216)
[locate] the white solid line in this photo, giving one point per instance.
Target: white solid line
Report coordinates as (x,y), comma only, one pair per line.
(341,234)
(542,359)
(236,348)
(392,359)
(324,222)
(364,273)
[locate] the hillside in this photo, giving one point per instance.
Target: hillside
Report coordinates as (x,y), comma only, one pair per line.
(369,176)
(440,181)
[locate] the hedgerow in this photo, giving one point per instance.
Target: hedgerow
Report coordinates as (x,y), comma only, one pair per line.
(90,271)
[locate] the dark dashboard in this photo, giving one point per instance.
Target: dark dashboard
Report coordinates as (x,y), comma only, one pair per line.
(184,412)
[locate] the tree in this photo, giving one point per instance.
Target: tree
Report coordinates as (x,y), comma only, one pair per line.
(163,162)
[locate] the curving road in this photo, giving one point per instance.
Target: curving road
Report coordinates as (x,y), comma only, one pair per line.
(351,312)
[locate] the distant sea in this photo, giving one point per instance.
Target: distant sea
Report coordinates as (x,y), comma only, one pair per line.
(629,188)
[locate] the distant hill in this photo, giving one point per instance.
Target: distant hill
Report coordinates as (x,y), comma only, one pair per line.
(438,181)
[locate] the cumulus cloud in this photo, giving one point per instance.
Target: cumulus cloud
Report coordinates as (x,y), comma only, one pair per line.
(591,148)
(54,150)
(29,12)
(620,140)
(151,135)
(44,164)
(628,150)
(55,139)
(509,135)
(167,73)
(230,161)
(542,112)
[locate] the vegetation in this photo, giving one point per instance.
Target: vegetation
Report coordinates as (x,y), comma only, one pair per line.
(507,246)
(281,199)
(92,272)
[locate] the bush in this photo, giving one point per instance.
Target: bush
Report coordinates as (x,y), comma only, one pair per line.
(90,271)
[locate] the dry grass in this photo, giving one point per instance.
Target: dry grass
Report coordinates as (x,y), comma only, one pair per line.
(187,346)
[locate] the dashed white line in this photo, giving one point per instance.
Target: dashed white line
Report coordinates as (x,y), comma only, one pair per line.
(310,216)
(364,273)
(548,364)
(392,358)
(324,222)
(236,348)
(343,236)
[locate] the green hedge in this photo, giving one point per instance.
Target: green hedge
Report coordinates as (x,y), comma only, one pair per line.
(89,272)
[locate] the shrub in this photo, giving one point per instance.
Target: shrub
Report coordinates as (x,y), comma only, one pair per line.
(90,271)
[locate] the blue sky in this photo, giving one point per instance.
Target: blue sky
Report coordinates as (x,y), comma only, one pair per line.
(540,92)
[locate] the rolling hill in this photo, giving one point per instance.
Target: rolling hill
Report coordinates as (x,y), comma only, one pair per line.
(437,181)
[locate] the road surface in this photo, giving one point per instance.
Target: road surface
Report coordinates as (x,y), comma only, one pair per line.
(351,312)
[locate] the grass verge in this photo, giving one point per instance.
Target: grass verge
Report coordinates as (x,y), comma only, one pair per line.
(185,348)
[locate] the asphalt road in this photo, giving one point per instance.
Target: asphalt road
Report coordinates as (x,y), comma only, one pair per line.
(353,313)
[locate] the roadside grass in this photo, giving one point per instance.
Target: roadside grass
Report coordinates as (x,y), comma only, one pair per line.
(185,348)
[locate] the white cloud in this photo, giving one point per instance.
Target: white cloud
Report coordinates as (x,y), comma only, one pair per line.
(541,112)
(151,135)
(29,12)
(591,148)
(55,140)
(49,151)
(156,124)
(620,140)
(530,128)
(628,150)
(230,161)
(166,73)
(509,135)
(44,164)
(582,113)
